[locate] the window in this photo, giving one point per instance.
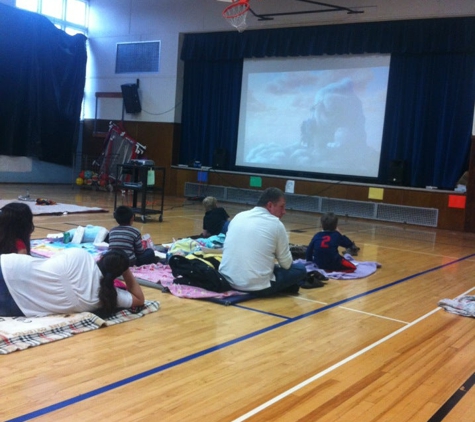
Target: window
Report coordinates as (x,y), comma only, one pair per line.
(31,5)
(68,15)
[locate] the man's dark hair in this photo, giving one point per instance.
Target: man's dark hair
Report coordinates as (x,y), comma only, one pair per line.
(270,195)
(329,221)
(123,215)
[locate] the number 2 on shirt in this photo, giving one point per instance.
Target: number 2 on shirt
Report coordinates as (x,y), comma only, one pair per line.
(325,241)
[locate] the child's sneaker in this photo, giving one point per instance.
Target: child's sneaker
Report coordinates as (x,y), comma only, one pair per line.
(314,279)
(352,250)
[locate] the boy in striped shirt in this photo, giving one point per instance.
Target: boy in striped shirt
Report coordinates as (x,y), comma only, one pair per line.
(129,239)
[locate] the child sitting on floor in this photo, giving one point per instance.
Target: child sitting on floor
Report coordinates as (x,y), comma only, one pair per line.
(129,239)
(323,248)
(16,226)
(216,219)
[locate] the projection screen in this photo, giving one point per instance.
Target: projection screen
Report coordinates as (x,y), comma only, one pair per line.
(320,115)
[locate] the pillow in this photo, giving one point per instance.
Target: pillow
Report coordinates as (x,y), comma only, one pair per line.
(92,234)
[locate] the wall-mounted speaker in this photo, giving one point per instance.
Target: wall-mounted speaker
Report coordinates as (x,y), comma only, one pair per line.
(219,158)
(131,98)
(396,172)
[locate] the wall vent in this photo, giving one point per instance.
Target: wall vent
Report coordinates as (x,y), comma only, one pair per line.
(344,207)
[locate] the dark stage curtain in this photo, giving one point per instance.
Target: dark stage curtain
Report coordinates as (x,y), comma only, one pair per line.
(429,117)
(215,88)
(430,98)
(42,76)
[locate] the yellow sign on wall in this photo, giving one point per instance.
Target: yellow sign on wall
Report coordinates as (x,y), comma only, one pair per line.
(376,193)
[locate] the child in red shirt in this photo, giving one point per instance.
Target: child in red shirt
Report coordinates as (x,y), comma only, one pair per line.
(323,248)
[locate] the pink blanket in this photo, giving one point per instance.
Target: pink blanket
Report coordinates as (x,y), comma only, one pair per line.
(162,274)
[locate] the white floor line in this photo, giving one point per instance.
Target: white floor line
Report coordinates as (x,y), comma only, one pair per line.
(414,252)
(467,292)
(371,314)
(331,368)
(352,310)
(402,249)
(309,300)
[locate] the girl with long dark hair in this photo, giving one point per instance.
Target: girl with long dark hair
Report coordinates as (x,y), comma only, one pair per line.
(16,226)
(68,282)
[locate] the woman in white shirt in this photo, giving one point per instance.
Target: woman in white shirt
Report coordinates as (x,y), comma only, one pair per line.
(70,281)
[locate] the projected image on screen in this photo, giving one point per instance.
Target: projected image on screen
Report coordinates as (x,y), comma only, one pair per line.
(315,115)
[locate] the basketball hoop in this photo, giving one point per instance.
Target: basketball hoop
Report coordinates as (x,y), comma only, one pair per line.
(236,14)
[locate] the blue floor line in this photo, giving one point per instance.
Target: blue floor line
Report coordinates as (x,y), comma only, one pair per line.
(161,368)
(450,404)
(247,308)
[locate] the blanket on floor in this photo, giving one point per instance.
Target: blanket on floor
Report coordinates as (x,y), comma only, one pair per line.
(46,248)
(157,276)
(363,269)
(463,305)
(54,209)
(20,333)
(162,274)
(154,275)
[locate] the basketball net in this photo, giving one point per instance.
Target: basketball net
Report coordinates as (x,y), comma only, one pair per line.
(236,14)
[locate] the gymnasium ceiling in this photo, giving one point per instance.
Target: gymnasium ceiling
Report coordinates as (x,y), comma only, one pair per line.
(270,10)
(295,12)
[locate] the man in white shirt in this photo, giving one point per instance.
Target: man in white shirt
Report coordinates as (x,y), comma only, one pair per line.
(256,255)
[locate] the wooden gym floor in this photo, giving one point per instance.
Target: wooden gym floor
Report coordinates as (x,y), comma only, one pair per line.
(373,349)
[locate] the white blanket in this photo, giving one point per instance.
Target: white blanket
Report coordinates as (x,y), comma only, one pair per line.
(363,269)
(463,305)
(53,209)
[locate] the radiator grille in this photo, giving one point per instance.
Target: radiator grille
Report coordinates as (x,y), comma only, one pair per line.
(303,202)
(410,215)
(243,196)
(194,190)
(351,208)
(343,207)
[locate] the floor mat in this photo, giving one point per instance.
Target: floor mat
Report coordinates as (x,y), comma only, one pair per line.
(20,333)
(53,209)
(231,300)
(152,285)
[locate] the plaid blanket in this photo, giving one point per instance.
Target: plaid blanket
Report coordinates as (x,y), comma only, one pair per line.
(20,333)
